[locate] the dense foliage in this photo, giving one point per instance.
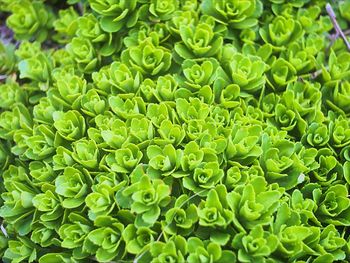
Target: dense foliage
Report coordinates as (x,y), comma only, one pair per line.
(174,131)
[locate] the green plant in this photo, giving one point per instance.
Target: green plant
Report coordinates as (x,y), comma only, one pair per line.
(174,131)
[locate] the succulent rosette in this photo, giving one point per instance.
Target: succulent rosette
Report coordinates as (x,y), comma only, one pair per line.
(198,41)
(236,14)
(254,203)
(148,196)
(115,14)
(30,20)
(281,32)
(147,58)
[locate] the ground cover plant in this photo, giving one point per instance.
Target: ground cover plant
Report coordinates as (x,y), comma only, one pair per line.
(174,131)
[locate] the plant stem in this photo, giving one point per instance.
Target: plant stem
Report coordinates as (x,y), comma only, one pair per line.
(339,31)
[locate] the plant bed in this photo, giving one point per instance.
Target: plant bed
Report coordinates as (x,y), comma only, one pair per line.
(174,131)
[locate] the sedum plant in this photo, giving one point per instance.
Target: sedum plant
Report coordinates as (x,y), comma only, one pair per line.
(174,131)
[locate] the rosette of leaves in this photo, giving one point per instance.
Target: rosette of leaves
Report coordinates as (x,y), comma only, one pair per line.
(233,13)
(305,207)
(41,172)
(281,32)
(147,198)
(37,68)
(288,120)
(30,20)
(339,129)
(281,74)
(49,207)
(162,10)
(89,28)
(215,213)
(69,91)
(181,218)
(137,239)
(102,199)
(83,53)
(165,88)
(192,109)
(188,5)
(305,99)
(212,138)
(146,58)
(204,177)
(27,49)
(124,160)
(198,75)
(205,133)
(21,249)
(179,18)
(70,125)
(101,80)
(157,32)
(41,143)
(11,122)
(62,158)
(106,240)
(66,25)
(338,68)
(86,153)
(115,135)
(247,71)
(254,203)
(317,135)
(296,241)
(174,250)
(331,242)
(17,206)
(198,41)
(256,246)
(73,234)
(92,104)
(73,185)
(300,58)
(141,132)
(329,171)
(114,15)
(220,115)
(169,134)
(11,94)
(194,155)
(128,108)
(148,90)
(21,144)
(163,161)
(333,204)
(238,174)
(61,57)
(242,144)
(159,112)
(200,251)
(124,78)
(284,161)
(44,236)
(229,96)
(233,176)
(337,96)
